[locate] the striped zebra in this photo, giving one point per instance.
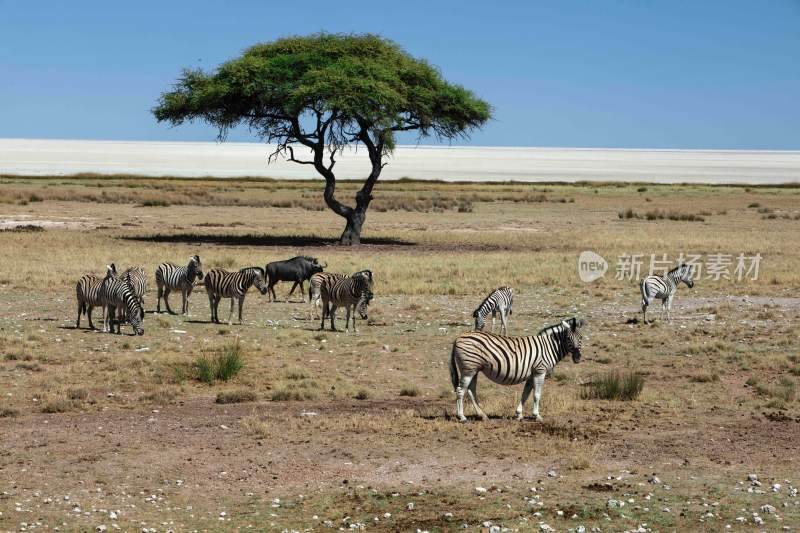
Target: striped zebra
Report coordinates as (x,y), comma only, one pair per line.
(116,294)
(171,277)
(555,328)
(87,291)
(354,293)
(510,360)
(498,301)
(664,288)
(234,285)
(137,279)
(315,287)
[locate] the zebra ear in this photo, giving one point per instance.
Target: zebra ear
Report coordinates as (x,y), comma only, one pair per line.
(566,324)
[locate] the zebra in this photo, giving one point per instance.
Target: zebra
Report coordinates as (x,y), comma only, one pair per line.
(116,293)
(499,300)
(87,291)
(171,277)
(664,288)
(555,328)
(314,287)
(234,285)
(354,293)
(510,360)
(137,279)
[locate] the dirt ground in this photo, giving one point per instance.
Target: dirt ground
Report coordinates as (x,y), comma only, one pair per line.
(333,430)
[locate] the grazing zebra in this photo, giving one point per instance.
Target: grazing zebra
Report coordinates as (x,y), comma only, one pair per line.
(354,293)
(664,287)
(87,291)
(171,277)
(116,293)
(314,287)
(500,300)
(234,285)
(510,360)
(137,279)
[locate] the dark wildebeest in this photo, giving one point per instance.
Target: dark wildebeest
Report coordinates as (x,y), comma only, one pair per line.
(298,269)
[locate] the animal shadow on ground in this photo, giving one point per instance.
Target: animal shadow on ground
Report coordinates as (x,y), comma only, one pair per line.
(257,240)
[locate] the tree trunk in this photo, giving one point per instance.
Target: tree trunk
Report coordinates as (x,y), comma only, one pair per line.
(352,231)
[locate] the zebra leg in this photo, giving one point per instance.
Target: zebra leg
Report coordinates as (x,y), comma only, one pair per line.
(78,322)
(332,315)
(324,312)
(189,290)
(241,303)
(463,387)
(184,298)
(644,311)
(158,302)
(668,307)
(230,315)
(538,384)
(526,392)
(503,322)
(89,316)
(472,390)
(166,300)
(347,319)
(211,305)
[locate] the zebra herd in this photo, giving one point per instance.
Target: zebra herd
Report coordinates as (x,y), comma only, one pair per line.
(504,359)
(121,297)
(512,360)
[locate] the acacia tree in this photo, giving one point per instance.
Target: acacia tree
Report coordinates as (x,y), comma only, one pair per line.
(322,93)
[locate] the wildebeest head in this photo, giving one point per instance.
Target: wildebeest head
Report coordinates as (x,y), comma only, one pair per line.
(316,266)
(573,337)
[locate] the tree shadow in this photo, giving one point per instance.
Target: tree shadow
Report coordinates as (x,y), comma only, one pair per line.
(258,240)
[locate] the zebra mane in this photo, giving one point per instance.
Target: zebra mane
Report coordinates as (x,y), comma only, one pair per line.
(249,269)
(678,268)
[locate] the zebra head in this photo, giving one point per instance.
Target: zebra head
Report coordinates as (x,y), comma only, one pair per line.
(573,337)
(685,275)
(135,313)
(480,320)
(363,304)
(111,271)
(194,264)
(259,279)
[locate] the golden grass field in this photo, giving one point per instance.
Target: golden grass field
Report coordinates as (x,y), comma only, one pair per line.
(324,430)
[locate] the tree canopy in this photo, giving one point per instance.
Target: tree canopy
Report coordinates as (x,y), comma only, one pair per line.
(325,92)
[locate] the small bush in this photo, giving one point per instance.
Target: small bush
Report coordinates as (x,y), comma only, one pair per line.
(154,203)
(78,394)
(8,412)
(615,386)
(704,378)
(409,390)
(236,396)
(223,366)
(288,394)
(362,394)
(57,405)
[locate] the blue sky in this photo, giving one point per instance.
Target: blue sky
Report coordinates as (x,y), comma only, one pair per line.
(619,74)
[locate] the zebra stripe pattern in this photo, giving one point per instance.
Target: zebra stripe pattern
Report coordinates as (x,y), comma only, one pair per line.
(87,292)
(499,300)
(234,285)
(315,287)
(510,360)
(137,279)
(171,277)
(664,288)
(116,294)
(354,293)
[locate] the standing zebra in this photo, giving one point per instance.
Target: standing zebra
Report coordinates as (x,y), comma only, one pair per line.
(234,285)
(137,279)
(664,287)
(315,287)
(116,293)
(510,360)
(500,300)
(171,277)
(353,293)
(87,291)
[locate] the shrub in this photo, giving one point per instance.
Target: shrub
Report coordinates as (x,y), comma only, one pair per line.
(285,394)
(614,386)
(409,390)
(236,396)
(362,394)
(223,366)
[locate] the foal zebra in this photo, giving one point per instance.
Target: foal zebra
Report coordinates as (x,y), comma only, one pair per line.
(510,360)
(137,279)
(353,293)
(234,285)
(87,291)
(117,294)
(499,300)
(664,287)
(171,277)
(315,287)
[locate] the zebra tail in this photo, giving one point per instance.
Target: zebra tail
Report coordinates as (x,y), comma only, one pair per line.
(454,377)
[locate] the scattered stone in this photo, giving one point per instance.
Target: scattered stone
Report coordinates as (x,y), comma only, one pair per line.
(481,490)
(551,473)
(752,477)
(101,527)
(613,504)
(410,506)
(654,480)
(776,487)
